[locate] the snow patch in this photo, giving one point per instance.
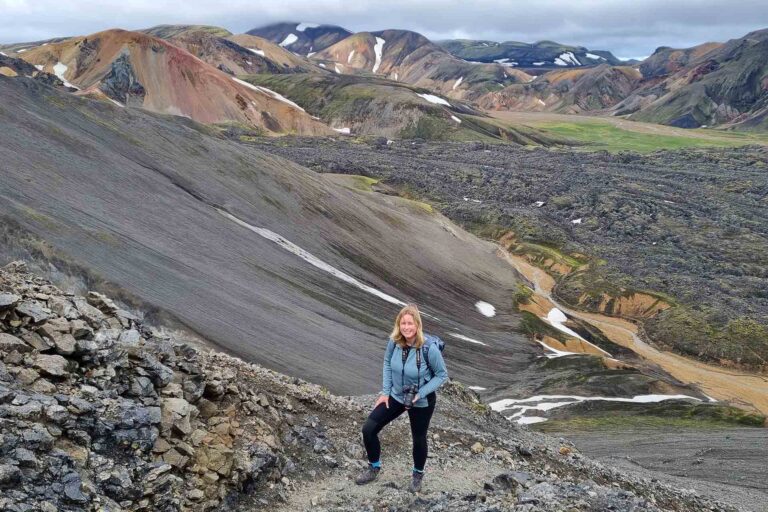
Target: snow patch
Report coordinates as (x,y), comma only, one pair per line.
(456,119)
(345,131)
(311,259)
(505,62)
(527,420)
(351,54)
(596,57)
(257,51)
(3,54)
(268,92)
(116,102)
(539,63)
(466,338)
(39,67)
(310,54)
(336,69)
(540,102)
(301,27)
(59,69)
(377,49)
(395,75)
(577,221)
(434,99)
(554,353)
(22,50)
(321,65)
(485,308)
(457,83)
(539,204)
(476,388)
(545,405)
(556,319)
(289,39)
(567,59)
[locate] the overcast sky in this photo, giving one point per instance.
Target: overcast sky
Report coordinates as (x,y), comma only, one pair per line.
(628,28)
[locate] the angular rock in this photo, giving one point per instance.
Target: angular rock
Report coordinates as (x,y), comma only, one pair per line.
(176,415)
(63,307)
(216,457)
(141,386)
(160,374)
(102,302)
(43,386)
(26,458)
(8,300)
(10,343)
(54,326)
(130,337)
(53,365)
(9,475)
(80,330)
(27,376)
(73,488)
(37,342)
(92,315)
(34,310)
(37,437)
(65,343)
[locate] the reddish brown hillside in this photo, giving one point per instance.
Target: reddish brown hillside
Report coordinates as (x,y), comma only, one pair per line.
(140,70)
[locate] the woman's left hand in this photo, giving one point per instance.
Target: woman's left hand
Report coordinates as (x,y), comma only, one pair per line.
(416,398)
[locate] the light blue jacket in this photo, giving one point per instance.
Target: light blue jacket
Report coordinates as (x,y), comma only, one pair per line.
(427,382)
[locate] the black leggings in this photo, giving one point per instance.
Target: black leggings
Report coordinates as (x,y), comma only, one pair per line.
(382,415)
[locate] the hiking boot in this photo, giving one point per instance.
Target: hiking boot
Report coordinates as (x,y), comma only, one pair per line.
(416,482)
(369,475)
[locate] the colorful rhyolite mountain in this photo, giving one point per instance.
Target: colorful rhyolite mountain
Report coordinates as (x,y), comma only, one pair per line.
(137,69)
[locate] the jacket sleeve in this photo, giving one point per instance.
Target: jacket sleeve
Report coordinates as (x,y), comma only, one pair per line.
(386,386)
(438,367)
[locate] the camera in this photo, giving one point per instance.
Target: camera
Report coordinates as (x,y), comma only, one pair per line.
(410,393)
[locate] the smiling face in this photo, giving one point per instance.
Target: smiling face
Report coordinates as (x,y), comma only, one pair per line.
(408,327)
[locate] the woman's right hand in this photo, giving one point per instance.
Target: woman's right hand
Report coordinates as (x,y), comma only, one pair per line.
(383,399)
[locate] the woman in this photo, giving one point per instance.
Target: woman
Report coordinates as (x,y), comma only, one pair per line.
(411,359)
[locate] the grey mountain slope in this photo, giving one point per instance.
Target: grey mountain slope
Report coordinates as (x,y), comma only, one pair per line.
(525,54)
(130,195)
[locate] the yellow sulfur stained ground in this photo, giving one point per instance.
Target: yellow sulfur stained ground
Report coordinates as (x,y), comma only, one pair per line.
(739,388)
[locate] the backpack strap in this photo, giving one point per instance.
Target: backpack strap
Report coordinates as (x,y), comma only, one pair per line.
(425,349)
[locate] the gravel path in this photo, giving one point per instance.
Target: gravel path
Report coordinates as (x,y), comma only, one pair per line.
(728,464)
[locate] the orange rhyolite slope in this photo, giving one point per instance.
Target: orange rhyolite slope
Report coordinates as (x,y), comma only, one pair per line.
(140,70)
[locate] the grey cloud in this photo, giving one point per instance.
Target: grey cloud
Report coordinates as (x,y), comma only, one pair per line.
(627,28)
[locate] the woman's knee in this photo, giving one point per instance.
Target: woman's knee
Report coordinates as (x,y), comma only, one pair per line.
(420,440)
(370,429)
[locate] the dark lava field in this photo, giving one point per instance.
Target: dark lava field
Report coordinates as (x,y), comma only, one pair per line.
(689,224)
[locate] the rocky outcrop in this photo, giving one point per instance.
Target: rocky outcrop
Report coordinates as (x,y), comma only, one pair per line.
(100,412)
(121,83)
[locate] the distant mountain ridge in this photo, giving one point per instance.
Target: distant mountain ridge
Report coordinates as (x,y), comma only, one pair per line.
(542,54)
(302,38)
(708,85)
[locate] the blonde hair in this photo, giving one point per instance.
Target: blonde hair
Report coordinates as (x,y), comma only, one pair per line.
(397,336)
